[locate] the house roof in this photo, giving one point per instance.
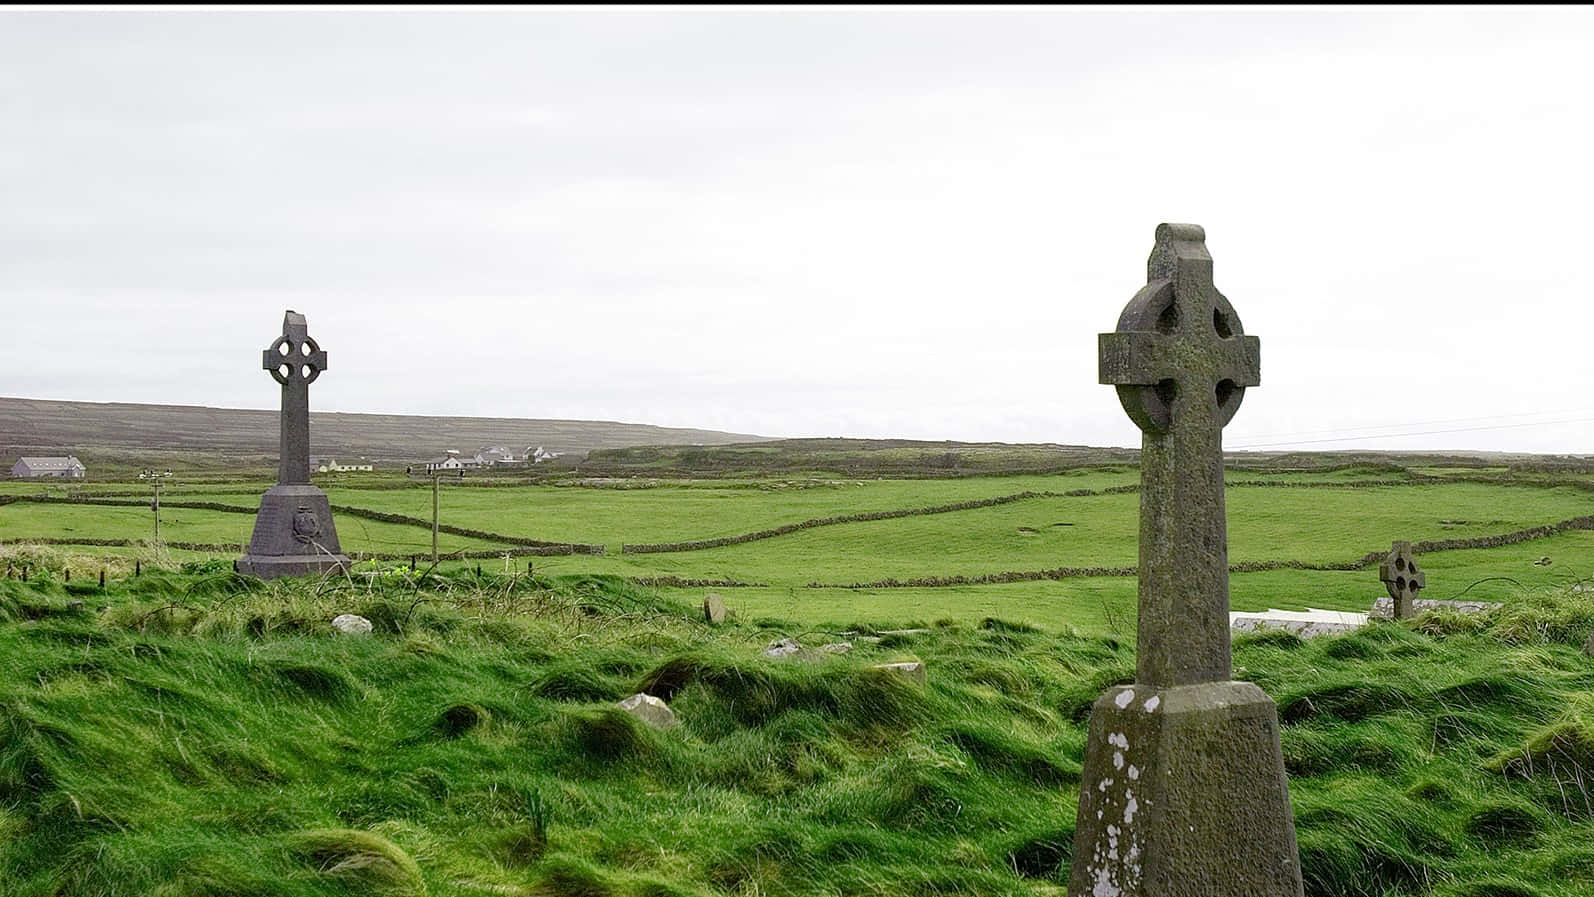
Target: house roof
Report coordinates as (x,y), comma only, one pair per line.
(53,463)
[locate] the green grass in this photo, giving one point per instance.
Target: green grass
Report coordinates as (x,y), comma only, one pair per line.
(1312,525)
(22,520)
(206,735)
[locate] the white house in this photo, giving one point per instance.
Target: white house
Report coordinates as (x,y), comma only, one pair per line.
(68,466)
(450,461)
(331,465)
(539,454)
(491,456)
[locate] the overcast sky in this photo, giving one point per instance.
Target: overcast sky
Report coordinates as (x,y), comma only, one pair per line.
(805,222)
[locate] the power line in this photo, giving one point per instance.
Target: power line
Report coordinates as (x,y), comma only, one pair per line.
(1420,423)
(1542,423)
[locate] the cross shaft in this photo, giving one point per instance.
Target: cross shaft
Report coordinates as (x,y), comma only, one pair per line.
(1181,363)
(295,361)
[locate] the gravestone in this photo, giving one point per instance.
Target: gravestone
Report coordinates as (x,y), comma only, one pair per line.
(294,533)
(714,609)
(1183,790)
(1309,623)
(1402,578)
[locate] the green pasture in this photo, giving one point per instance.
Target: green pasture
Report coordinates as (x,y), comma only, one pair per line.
(1328,520)
(25,520)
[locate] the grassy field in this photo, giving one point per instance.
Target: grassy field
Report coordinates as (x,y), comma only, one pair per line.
(1318,517)
(185,732)
(203,735)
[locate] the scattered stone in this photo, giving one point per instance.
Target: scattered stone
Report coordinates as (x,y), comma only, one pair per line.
(912,669)
(1309,623)
(837,647)
(351,624)
(1384,608)
(75,604)
(1183,789)
(1402,578)
(650,710)
(1588,646)
(786,647)
(902,631)
(714,609)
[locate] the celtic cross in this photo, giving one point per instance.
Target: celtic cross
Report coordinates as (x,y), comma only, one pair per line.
(295,360)
(1181,363)
(1402,579)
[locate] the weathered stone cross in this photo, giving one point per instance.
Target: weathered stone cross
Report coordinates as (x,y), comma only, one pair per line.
(1183,789)
(1403,579)
(1181,364)
(295,360)
(294,532)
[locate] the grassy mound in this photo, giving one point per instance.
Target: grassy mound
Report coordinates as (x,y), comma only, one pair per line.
(192,733)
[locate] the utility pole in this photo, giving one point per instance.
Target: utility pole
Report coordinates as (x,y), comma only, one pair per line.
(155,479)
(437,476)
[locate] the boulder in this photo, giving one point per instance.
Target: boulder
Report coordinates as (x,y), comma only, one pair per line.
(786,647)
(650,710)
(913,670)
(351,624)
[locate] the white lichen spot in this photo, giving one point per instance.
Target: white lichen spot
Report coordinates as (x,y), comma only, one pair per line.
(1117,759)
(1098,814)
(1153,702)
(1130,809)
(1118,740)
(1104,785)
(1134,772)
(1124,697)
(1104,885)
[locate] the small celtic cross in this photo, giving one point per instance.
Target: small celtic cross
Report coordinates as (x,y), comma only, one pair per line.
(1402,578)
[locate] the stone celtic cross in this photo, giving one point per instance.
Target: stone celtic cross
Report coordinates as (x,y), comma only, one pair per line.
(294,532)
(1183,790)
(1181,363)
(1402,578)
(295,360)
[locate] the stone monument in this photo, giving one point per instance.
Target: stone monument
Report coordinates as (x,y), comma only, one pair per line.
(1183,792)
(294,533)
(1402,578)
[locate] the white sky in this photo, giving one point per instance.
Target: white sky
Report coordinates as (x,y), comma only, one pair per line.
(830,222)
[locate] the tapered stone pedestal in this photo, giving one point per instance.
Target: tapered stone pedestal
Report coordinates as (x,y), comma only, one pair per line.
(294,535)
(1168,773)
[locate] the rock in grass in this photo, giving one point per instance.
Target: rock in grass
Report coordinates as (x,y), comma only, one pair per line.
(650,710)
(836,647)
(913,670)
(786,647)
(351,624)
(1588,646)
(714,609)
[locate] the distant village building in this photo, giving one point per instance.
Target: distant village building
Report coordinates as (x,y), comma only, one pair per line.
(331,465)
(539,454)
(495,455)
(450,461)
(68,466)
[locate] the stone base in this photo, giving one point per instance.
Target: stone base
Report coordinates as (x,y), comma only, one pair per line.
(1183,794)
(265,567)
(294,535)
